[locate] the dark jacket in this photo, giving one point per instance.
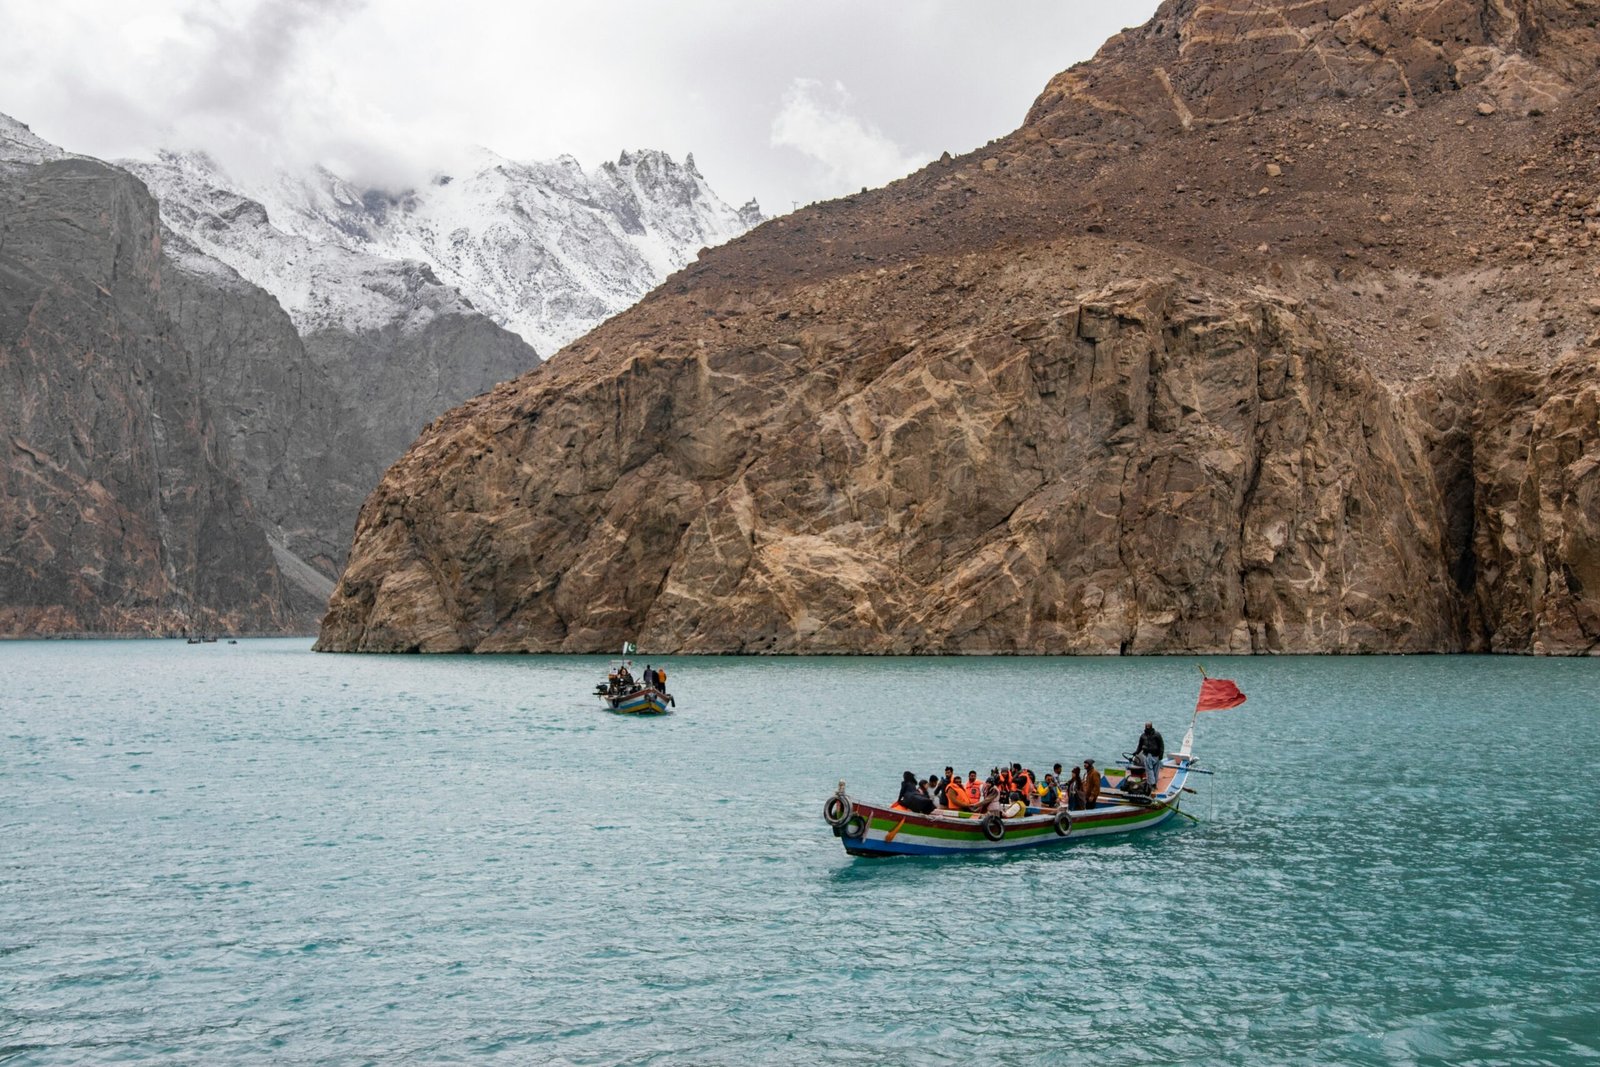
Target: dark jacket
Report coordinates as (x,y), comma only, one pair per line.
(912,798)
(1151,741)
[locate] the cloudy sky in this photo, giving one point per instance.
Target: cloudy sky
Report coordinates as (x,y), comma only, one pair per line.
(782,101)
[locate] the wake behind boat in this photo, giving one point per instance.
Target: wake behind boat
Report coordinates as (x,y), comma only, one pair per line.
(1122,801)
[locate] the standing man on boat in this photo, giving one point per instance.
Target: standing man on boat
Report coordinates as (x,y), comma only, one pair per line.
(1152,750)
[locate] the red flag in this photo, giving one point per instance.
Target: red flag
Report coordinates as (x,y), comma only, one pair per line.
(1217,694)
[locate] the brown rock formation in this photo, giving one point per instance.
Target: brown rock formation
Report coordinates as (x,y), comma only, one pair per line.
(1248,340)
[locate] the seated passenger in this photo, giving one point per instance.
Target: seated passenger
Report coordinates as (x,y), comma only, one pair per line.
(912,798)
(956,796)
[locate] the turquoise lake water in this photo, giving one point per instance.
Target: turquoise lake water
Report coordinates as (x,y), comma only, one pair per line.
(254,854)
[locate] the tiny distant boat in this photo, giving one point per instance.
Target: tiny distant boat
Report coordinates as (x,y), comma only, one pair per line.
(192,641)
(232,641)
(871,830)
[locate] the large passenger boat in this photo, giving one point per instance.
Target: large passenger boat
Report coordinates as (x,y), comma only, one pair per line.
(872,830)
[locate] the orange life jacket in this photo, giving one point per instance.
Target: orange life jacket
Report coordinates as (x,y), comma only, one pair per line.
(956,796)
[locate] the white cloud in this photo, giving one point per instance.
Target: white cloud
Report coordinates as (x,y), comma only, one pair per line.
(388,91)
(816,121)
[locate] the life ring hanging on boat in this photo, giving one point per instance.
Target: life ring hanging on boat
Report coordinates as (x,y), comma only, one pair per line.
(1063,823)
(838,810)
(994,828)
(854,826)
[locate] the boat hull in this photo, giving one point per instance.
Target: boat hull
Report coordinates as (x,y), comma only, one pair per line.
(643,702)
(894,832)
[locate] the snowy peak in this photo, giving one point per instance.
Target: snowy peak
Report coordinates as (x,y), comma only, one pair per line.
(19,144)
(322,283)
(546,249)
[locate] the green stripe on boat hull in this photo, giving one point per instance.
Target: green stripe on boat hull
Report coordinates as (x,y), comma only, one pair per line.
(893,832)
(917,840)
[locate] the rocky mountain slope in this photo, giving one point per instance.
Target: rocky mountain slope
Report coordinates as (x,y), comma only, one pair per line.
(120,508)
(404,305)
(1275,327)
(544,249)
(278,364)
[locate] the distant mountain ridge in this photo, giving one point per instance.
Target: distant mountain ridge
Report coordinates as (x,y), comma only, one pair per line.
(546,250)
(207,381)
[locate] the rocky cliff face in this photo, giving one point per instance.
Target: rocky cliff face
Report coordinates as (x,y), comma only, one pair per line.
(398,306)
(286,433)
(119,511)
(1270,330)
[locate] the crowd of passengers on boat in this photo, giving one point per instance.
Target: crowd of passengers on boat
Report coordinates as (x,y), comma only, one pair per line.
(1017,790)
(621,682)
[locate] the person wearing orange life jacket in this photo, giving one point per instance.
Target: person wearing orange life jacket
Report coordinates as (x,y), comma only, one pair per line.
(956,796)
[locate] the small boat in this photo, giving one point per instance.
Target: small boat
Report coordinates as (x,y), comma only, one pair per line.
(638,702)
(192,641)
(621,693)
(871,830)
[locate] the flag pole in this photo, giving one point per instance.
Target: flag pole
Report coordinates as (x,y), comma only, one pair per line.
(1188,738)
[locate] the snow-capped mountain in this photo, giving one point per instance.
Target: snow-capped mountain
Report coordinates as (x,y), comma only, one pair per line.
(546,250)
(321,282)
(18,144)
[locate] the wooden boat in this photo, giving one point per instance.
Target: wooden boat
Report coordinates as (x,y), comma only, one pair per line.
(638,702)
(867,830)
(870,830)
(635,697)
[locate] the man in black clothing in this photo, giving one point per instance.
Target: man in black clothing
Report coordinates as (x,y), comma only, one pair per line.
(1151,751)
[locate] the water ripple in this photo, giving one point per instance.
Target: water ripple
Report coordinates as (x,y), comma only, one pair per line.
(249,854)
